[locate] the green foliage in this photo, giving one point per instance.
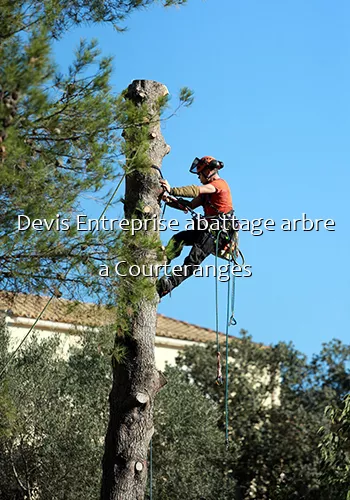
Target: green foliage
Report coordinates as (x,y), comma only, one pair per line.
(329,372)
(335,449)
(57,432)
(7,412)
(168,3)
(274,442)
(53,413)
(53,446)
(60,140)
(119,352)
(59,16)
(186,96)
(189,450)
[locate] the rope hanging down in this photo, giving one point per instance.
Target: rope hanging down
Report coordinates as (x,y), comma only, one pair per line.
(218,354)
(230,321)
(229,317)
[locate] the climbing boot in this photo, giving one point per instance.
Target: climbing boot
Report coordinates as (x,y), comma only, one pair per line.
(164,286)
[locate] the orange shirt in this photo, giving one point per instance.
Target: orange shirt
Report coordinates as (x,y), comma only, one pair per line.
(220,201)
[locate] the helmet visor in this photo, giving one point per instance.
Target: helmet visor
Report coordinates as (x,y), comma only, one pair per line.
(196,166)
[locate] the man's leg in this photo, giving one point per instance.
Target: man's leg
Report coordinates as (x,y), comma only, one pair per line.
(203,245)
(177,242)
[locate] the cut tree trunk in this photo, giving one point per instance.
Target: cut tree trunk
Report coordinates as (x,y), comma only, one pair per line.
(136,379)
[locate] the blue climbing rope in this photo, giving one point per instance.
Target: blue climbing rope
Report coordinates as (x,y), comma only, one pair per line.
(226,362)
(218,354)
(230,321)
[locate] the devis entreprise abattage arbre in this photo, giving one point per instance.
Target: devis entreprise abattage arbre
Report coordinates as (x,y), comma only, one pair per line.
(256,226)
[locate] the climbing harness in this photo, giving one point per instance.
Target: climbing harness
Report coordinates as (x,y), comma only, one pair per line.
(229,249)
(227,239)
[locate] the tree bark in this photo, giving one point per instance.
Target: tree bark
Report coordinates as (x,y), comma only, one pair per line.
(136,379)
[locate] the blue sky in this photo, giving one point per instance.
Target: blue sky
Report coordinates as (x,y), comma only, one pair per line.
(271,82)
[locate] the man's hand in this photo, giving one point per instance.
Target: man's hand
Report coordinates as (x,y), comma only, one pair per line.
(175,203)
(165,185)
(167,198)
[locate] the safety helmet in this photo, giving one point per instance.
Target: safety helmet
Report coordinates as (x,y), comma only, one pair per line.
(200,164)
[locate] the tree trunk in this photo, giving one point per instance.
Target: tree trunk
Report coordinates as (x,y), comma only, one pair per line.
(135,378)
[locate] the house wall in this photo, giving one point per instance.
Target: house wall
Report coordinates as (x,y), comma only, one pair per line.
(166,349)
(19,327)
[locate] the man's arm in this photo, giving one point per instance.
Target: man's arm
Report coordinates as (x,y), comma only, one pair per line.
(196,202)
(207,189)
(191,191)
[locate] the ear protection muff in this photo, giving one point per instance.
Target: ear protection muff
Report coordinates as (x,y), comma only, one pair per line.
(216,164)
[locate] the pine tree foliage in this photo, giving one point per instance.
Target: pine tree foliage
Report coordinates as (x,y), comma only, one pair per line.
(57,143)
(61,15)
(59,140)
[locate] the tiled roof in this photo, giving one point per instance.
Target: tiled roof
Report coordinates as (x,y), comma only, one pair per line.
(176,329)
(59,310)
(88,314)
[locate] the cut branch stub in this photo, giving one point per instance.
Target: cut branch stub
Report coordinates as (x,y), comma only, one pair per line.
(142,398)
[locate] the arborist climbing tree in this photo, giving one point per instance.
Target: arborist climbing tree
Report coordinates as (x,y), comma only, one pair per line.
(214,196)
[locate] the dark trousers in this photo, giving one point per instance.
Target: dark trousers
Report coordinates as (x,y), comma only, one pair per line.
(203,244)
